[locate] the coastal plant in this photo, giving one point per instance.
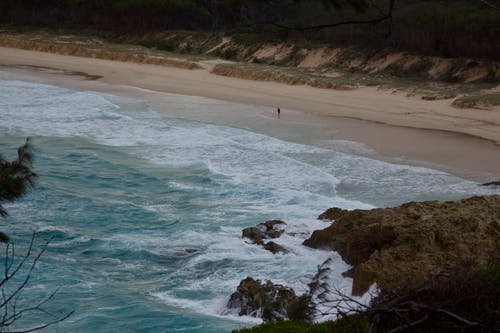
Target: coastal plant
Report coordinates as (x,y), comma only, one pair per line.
(454,300)
(17,178)
(477,101)
(459,300)
(15,305)
(355,324)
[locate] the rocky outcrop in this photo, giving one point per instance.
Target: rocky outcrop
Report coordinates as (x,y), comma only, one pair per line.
(267,300)
(332,214)
(274,247)
(266,230)
(405,245)
(495,183)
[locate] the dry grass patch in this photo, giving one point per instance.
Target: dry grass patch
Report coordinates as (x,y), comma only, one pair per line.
(289,76)
(483,102)
(91,49)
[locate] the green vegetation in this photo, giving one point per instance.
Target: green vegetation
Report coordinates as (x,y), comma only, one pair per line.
(464,28)
(16,180)
(248,38)
(491,276)
(447,28)
(288,75)
(478,101)
(453,301)
(16,177)
(349,324)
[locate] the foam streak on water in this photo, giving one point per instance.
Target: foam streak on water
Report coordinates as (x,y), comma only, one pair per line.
(146,210)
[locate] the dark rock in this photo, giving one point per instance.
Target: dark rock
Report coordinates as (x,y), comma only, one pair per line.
(332,214)
(495,183)
(274,233)
(253,233)
(272,223)
(349,273)
(267,300)
(275,248)
(405,245)
(263,231)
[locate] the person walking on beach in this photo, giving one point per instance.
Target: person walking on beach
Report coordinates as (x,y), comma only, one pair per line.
(279,111)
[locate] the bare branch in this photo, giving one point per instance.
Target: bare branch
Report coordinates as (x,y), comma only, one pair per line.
(41,327)
(489,4)
(410,325)
(11,313)
(28,275)
(9,275)
(386,16)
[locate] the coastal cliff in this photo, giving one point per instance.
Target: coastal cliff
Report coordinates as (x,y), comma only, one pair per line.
(406,245)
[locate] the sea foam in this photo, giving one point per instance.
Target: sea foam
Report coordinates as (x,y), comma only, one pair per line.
(147,209)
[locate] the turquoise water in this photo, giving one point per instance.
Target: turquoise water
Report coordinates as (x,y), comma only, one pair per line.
(146,210)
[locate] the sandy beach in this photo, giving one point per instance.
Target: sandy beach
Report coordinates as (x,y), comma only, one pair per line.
(399,128)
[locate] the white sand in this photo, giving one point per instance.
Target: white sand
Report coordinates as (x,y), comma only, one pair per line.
(459,140)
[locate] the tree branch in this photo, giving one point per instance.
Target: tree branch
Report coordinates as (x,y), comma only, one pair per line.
(487,3)
(410,325)
(9,296)
(382,18)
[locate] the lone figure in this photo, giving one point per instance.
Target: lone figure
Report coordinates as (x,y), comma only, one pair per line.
(279,111)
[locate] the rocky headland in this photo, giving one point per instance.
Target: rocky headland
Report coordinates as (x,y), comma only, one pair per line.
(403,246)
(398,247)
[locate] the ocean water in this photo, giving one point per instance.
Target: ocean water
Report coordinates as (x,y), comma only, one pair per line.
(145,210)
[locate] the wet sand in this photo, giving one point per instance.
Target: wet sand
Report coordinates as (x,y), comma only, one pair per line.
(398,128)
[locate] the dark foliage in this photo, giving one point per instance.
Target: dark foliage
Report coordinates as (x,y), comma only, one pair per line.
(457,301)
(461,301)
(457,28)
(16,177)
(353,324)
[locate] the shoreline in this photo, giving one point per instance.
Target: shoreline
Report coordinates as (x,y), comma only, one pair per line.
(400,129)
